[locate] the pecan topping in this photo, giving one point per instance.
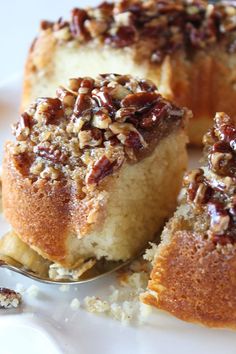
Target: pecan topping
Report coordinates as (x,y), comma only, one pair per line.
(214,188)
(116,116)
(168,25)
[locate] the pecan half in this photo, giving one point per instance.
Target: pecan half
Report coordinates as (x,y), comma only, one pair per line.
(140,100)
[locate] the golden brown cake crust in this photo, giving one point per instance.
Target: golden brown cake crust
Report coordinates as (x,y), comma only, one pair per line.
(46,231)
(195,281)
(194,268)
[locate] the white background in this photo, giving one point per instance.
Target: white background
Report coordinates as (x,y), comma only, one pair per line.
(19,23)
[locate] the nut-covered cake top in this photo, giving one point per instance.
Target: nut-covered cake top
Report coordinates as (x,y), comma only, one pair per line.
(167,25)
(213,188)
(92,127)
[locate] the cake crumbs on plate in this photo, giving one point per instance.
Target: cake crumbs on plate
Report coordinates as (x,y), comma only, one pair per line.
(20,288)
(9,298)
(64,288)
(122,303)
(32,291)
(75,304)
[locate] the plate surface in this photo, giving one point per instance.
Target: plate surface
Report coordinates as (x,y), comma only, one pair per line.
(47,324)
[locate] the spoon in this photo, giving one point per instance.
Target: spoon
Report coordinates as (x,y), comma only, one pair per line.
(100,269)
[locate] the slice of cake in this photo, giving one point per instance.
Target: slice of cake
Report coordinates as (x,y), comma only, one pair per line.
(186,47)
(95,172)
(194,268)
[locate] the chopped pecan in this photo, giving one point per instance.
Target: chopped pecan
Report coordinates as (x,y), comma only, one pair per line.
(48,109)
(124,113)
(74,84)
(96,27)
(219,161)
(44,25)
(22,129)
(140,100)
(101,120)
(154,115)
(101,169)
(67,97)
(83,105)
(92,138)
(124,18)
(128,135)
(124,36)
(195,175)
(77,27)
(133,140)
(119,92)
(219,218)
(22,162)
(104,99)
(52,154)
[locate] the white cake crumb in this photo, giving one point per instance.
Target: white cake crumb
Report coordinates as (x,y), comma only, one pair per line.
(32,291)
(95,304)
(123,303)
(64,288)
(66,319)
(75,304)
(150,252)
(145,310)
(20,288)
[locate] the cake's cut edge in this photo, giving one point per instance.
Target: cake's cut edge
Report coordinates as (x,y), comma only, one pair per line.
(193,274)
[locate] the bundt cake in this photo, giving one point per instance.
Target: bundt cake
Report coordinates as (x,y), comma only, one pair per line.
(94,172)
(194,267)
(186,47)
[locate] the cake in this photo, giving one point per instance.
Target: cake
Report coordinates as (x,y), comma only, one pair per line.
(89,174)
(194,267)
(186,47)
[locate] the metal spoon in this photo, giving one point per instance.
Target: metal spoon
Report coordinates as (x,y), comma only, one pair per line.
(101,269)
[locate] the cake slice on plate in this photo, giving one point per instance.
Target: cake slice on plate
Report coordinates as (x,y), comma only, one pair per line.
(94,172)
(194,268)
(186,47)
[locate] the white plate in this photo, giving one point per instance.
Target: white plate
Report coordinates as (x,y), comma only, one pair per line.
(47,324)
